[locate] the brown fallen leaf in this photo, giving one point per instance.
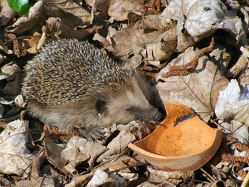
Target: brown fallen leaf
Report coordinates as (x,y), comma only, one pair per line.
(53,154)
(36,182)
(54,26)
(119,9)
(12,75)
(79,149)
(6,13)
(199,90)
(32,43)
(23,24)
(102,178)
(36,164)
(244,77)
(118,144)
(15,158)
(233,103)
(175,177)
(123,162)
(70,12)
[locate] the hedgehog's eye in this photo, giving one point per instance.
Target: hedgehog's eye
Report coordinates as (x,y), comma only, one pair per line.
(129,108)
(100,105)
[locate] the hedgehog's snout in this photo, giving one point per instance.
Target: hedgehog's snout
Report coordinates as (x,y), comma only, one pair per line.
(156,115)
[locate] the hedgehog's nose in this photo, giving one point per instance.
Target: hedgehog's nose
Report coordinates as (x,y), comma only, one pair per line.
(157,115)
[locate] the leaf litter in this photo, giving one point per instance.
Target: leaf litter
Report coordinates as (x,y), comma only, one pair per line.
(197,53)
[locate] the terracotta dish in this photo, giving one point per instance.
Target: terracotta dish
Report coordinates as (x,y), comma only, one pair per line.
(181,142)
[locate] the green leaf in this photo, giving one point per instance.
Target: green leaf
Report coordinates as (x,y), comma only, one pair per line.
(19,6)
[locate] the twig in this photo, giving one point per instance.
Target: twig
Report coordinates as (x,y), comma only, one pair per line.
(186,69)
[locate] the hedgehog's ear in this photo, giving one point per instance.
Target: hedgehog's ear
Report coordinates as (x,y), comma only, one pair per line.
(100,105)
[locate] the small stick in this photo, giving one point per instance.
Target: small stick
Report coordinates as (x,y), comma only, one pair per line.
(188,68)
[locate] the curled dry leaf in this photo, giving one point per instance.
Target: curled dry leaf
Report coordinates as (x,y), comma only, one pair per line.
(6,13)
(153,46)
(53,154)
(19,101)
(11,75)
(35,182)
(233,103)
(15,158)
(118,144)
(119,9)
(32,43)
(69,11)
(79,149)
(201,18)
(24,24)
(175,177)
(119,164)
(234,26)
(131,39)
(244,78)
(9,70)
(106,44)
(103,178)
(199,90)
(237,129)
(239,66)
(197,17)
(54,26)
(221,58)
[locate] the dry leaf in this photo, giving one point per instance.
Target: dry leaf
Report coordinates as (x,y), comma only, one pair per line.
(233,103)
(54,26)
(15,158)
(221,58)
(198,15)
(37,182)
(130,38)
(233,25)
(6,13)
(79,149)
(19,101)
(11,74)
(101,177)
(239,66)
(149,184)
(119,9)
(119,164)
(237,129)
(53,154)
(201,18)
(175,177)
(24,24)
(198,90)
(118,144)
(70,12)
(32,42)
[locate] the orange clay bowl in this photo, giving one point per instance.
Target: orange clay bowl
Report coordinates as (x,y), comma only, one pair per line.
(181,142)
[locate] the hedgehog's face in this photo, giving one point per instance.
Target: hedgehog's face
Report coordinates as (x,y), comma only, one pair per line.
(127,106)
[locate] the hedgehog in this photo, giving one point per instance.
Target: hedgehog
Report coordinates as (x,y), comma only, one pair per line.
(73,84)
